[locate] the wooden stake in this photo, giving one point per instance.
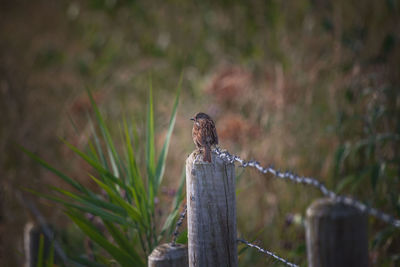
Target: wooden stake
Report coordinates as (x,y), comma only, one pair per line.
(167,255)
(211,207)
(336,235)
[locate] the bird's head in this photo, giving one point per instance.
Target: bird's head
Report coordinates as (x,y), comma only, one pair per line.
(200,116)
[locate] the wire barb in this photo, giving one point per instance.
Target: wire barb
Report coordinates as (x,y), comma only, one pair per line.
(225,155)
(269,253)
(178,224)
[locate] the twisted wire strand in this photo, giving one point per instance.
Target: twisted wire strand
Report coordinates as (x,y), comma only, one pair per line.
(225,155)
(269,253)
(178,225)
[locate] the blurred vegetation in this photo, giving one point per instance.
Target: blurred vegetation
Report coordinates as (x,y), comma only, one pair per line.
(308,85)
(125,209)
(45,259)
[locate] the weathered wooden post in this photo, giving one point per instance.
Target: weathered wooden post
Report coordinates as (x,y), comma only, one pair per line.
(169,255)
(336,235)
(211,205)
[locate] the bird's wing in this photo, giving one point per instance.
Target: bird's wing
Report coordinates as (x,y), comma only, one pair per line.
(214,133)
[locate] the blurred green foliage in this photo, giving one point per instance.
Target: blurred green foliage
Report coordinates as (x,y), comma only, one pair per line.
(43,259)
(126,204)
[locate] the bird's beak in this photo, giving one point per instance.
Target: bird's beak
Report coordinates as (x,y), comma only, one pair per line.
(191,119)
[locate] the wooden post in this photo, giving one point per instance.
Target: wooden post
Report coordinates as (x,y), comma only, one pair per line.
(168,255)
(211,205)
(336,235)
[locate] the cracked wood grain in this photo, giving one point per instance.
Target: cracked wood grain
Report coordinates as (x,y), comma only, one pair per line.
(211,212)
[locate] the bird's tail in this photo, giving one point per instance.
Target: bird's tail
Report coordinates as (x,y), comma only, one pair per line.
(207,154)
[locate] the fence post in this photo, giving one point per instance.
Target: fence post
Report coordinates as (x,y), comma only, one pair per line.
(168,255)
(336,235)
(211,208)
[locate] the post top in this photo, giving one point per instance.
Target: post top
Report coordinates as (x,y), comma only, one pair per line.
(168,251)
(330,207)
(196,158)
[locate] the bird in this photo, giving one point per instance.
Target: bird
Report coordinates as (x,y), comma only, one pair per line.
(204,134)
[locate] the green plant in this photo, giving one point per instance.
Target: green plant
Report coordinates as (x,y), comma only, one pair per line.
(126,207)
(43,259)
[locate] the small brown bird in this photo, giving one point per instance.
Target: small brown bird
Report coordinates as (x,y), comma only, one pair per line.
(204,134)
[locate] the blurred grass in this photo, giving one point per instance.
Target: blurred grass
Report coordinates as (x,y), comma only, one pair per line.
(311,86)
(126,205)
(45,259)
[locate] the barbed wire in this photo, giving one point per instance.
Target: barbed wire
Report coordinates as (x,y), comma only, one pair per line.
(269,253)
(178,224)
(225,155)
